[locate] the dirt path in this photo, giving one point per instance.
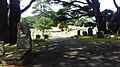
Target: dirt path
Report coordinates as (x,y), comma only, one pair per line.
(66,52)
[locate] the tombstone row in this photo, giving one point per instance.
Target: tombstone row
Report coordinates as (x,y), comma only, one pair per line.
(100,34)
(90,32)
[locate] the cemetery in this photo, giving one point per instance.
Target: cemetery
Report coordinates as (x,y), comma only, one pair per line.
(78,34)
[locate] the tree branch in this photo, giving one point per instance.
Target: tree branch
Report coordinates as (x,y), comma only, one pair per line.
(29,5)
(76,17)
(71,3)
(79,2)
(90,3)
(115,4)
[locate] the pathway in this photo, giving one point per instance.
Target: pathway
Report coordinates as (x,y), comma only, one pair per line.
(66,52)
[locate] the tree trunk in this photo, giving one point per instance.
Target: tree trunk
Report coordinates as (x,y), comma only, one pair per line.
(8,27)
(95,5)
(101,25)
(3,20)
(14,18)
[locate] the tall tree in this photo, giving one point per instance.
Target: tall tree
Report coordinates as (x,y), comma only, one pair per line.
(95,5)
(43,23)
(3,20)
(9,17)
(14,18)
(90,8)
(115,19)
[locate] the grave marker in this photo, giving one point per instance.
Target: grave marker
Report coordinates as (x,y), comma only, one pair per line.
(78,32)
(90,32)
(100,34)
(84,33)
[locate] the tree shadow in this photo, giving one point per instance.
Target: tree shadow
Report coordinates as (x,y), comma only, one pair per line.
(81,55)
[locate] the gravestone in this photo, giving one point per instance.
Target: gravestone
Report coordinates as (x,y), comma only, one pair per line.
(90,32)
(24,40)
(84,33)
(78,32)
(38,37)
(22,54)
(100,34)
(46,36)
(2,48)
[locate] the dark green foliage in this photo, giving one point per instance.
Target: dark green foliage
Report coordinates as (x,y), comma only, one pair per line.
(88,24)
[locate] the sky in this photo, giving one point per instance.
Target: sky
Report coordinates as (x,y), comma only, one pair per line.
(104,4)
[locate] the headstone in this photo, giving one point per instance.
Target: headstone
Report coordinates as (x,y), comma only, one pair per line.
(100,34)
(46,36)
(24,44)
(24,40)
(2,48)
(78,32)
(37,36)
(90,32)
(84,33)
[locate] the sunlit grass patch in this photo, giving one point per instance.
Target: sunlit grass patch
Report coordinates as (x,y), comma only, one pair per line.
(94,39)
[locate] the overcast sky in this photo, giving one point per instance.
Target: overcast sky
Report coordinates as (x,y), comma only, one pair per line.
(104,4)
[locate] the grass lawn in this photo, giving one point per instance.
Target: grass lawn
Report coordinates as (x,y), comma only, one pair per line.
(36,44)
(94,39)
(11,50)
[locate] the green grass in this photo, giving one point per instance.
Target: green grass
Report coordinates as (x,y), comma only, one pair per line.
(39,43)
(11,49)
(94,39)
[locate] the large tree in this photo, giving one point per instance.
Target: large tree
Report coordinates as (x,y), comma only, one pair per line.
(77,9)
(14,18)
(3,20)
(115,19)
(95,5)
(8,27)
